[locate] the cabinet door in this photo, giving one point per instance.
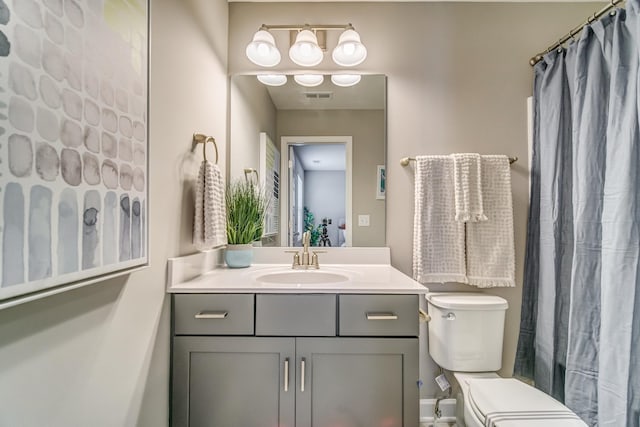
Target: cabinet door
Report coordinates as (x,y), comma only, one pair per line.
(233,382)
(351,382)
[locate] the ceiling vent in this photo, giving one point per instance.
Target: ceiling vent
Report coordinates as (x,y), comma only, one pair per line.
(318,95)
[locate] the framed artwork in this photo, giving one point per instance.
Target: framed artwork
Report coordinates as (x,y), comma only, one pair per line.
(381,182)
(73,143)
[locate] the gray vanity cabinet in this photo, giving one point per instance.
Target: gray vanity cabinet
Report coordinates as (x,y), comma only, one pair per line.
(305,360)
(357,382)
(232,382)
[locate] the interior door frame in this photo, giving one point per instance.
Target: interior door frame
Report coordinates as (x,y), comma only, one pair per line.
(285,142)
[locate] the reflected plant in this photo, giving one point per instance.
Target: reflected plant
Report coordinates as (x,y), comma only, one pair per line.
(310,225)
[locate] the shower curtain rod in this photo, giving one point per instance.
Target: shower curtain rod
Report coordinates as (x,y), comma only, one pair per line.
(537,58)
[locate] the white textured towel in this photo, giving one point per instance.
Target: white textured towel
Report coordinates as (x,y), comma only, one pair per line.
(210,220)
(490,244)
(438,239)
(468,187)
(506,402)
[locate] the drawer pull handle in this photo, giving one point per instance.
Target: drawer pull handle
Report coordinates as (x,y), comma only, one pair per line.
(212,315)
(286,374)
(303,362)
(382,316)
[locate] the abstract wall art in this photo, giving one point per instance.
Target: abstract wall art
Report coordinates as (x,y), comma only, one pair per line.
(73,142)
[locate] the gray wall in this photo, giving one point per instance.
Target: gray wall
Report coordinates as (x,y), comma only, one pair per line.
(325,197)
(99,356)
(458,79)
(250,112)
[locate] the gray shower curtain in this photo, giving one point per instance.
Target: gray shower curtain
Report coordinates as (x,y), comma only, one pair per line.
(580,324)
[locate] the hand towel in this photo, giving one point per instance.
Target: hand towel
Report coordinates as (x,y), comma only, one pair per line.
(490,244)
(468,187)
(438,239)
(210,220)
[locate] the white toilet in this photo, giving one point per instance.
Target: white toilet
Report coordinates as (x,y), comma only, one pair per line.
(465,337)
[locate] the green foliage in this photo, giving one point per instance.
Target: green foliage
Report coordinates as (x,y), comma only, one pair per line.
(310,225)
(246,208)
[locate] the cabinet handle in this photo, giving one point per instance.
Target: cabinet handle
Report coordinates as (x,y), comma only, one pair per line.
(302,375)
(382,316)
(286,374)
(212,315)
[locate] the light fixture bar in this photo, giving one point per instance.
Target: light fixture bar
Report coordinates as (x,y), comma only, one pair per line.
(295,27)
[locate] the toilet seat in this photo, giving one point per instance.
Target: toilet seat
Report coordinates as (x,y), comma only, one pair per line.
(507,402)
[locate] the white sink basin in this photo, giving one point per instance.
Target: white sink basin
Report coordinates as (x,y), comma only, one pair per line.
(301,277)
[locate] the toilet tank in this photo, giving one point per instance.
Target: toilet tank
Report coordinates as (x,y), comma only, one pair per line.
(466,330)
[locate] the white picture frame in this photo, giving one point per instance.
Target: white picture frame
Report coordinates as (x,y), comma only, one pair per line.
(381,182)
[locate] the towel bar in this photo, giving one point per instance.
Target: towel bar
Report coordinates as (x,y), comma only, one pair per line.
(406,160)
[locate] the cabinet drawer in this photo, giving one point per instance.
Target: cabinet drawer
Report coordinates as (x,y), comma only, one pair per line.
(378,315)
(296,315)
(213,314)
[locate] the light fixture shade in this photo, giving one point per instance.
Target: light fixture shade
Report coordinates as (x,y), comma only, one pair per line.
(346,80)
(272,79)
(305,51)
(262,50)
(350,51)
(309,80)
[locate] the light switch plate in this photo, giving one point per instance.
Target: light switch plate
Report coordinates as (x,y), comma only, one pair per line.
(363,220)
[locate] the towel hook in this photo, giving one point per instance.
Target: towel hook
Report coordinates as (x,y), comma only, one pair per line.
(204,147)
(248,172)
(199,138)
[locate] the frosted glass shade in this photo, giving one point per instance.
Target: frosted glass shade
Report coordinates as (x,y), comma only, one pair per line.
(305,51)
(262,50)
(346,80)
(350,51)
(272,79)
(309,80)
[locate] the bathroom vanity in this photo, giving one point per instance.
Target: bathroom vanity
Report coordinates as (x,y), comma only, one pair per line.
(272,346)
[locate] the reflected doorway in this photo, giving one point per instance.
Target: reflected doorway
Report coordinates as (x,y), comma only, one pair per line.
(318,189)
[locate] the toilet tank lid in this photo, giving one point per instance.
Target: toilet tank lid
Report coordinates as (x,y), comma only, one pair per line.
(466,301)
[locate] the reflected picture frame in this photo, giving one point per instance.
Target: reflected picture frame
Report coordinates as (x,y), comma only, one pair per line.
(381,182)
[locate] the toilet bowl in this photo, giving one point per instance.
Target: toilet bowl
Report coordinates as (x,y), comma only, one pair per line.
(465,337)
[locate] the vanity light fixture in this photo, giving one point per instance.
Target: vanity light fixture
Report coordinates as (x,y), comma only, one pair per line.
(346,80)
(350,51)
(309,80)
(272,79)
(262,50)
(305,50)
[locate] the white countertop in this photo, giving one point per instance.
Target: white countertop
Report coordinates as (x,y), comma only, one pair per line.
(351,278)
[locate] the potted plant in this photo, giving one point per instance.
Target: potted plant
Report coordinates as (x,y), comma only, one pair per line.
(246,205)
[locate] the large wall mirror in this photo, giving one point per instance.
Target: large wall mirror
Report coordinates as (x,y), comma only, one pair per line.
(319,152)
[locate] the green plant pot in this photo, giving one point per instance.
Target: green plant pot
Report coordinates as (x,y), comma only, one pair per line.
(238,256)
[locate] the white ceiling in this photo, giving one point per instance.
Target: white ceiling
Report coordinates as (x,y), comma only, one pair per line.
(322,157)
(367,95)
